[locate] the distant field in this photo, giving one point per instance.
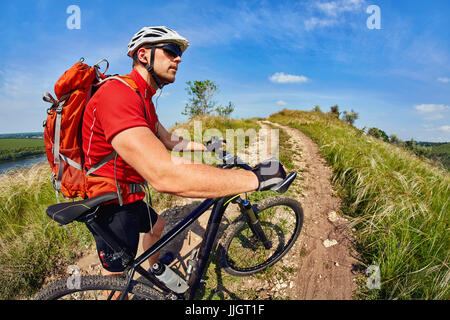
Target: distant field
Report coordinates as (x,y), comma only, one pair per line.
(15,149)
(23,135)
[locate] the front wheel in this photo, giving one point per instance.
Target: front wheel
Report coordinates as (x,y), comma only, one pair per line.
(241,253)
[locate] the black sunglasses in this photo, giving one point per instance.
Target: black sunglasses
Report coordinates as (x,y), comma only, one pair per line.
(171,49)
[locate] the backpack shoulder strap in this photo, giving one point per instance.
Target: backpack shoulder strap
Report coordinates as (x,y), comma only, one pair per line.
(124,79)
(130,82)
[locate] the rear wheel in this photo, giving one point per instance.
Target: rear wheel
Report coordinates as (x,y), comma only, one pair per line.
(241,253)
(96,288)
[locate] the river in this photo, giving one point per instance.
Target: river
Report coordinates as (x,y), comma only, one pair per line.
(21,163)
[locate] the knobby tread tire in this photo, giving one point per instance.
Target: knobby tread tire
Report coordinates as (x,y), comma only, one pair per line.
(60,288)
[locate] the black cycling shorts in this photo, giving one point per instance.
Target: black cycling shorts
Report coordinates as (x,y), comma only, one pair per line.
(124,223)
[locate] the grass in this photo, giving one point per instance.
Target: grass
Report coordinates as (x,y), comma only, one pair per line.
(32,246)
(398,204)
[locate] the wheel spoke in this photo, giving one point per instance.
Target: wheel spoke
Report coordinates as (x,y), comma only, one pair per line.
(243,253)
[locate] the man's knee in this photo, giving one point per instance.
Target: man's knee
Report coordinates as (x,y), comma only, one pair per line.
(158,227)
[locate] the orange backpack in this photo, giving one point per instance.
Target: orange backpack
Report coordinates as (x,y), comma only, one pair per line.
(62,128)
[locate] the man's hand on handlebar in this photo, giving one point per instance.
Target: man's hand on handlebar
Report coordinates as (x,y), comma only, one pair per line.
(215,144)
(270,173)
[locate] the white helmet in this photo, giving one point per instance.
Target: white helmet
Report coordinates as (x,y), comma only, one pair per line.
(154,35)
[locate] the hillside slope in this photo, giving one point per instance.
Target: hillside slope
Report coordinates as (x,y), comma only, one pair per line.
(397,203)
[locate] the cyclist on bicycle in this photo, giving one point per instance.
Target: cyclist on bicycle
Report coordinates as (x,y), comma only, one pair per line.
(118,119)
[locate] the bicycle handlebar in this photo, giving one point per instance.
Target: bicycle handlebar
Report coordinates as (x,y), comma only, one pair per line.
(231,161)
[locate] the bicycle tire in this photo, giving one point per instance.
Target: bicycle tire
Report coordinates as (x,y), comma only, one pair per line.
(88,284)
(236,249)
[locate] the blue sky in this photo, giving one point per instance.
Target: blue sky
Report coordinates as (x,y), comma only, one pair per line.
(263,55)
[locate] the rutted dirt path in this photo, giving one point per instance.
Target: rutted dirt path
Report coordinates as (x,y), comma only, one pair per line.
(321,261)
(326,262)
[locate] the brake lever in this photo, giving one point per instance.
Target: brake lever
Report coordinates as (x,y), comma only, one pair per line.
(284,185)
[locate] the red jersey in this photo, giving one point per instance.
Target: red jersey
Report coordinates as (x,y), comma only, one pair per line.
(113,108)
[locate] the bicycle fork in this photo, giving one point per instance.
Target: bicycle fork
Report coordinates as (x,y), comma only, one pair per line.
(253,222)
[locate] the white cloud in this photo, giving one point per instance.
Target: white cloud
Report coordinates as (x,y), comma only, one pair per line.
(432,111)
(330,8)
(281,103)
(333,8)
(314,22)
(281,77)
(333,11)
(444,128)
(427,108)
(443,80)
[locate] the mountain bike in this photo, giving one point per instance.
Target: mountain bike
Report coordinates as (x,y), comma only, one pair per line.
(261,235)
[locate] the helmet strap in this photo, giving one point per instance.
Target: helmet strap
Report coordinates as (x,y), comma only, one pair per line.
(150,69)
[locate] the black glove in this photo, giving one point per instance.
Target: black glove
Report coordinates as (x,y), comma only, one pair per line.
(214,144)
(270,173)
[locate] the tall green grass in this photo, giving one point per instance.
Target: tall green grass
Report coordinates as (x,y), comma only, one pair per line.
(399,205)
(31,245)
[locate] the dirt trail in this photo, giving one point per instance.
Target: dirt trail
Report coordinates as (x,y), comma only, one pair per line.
(321,260)
(326,262)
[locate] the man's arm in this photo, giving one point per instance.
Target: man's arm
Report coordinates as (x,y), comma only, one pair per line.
(172,141)
(143,151)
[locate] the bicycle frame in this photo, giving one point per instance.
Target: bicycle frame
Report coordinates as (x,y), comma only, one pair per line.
(219,207)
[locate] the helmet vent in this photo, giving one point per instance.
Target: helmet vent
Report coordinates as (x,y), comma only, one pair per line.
(151,35)
(161,30)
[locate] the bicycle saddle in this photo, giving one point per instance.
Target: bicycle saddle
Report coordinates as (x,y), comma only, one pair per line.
(66,212)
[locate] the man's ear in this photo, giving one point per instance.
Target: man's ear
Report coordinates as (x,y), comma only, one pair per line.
(141,55)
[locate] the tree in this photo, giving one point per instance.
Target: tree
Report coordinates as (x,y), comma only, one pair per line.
(317,109)
(201,101)
(395,140)
(419,150)
(335,110)
(350,117)
(378,133)
(225,111)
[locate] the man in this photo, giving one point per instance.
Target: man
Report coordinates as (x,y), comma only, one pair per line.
(122,120)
